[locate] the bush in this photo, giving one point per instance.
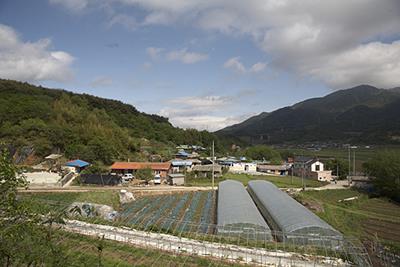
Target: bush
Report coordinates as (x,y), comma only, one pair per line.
(145,174)
(385,168)
(263,152)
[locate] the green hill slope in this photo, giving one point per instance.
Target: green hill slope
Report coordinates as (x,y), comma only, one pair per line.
(81,125)
(360,114)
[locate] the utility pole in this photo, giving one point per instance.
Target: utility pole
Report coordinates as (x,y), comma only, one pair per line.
(349,161)
(337,169)
(212,175)
(354,162)
(291,172)
(302,177)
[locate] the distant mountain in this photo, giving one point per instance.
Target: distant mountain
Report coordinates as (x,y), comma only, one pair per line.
(362,114)
(84,126)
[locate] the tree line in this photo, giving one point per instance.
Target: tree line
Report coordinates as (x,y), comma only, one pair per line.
(84,126)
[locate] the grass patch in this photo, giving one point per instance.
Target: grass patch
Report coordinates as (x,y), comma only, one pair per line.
(58,200)
(80,250)
(364,218)
(279,181)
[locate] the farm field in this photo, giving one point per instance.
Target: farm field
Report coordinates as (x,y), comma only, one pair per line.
(45,202)
(79,250)
(279,181)
(362,154)
(190,215)
(181,212)
(371,219)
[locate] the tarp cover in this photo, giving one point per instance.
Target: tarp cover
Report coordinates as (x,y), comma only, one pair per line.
(286,214)
(236,209)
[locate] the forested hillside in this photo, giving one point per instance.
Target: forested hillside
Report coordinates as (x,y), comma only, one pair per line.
(84,126)
(363,114)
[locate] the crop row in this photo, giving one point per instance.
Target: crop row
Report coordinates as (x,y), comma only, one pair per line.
(187,217)
(206,216)
(188,212)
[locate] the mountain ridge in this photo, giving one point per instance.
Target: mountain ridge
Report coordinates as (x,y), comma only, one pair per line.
(85,126)
(362,114)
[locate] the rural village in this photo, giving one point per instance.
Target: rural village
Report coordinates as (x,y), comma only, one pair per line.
(172,133)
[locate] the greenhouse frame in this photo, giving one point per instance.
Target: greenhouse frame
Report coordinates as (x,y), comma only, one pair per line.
(238,215)
(291,221)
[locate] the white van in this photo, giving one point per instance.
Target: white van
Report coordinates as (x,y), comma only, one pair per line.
(127,177)
(157,179)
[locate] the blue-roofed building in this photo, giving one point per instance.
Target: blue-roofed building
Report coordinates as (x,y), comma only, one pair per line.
(181,165)
(77,165)
(182,154)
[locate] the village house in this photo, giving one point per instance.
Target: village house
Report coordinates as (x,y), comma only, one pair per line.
(243,167)
(77,165)
(311,168)
(227,161)
(280,170)
(182,154)
(180,165)
(206,170)
(176,179)
(159,168)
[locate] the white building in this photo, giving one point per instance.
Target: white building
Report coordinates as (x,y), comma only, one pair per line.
(312,168)
(243,167)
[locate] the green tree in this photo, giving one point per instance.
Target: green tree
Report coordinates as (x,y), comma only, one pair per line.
(25,238)
(145,174)
(336,164)
(95,168)
(263,152)
(384,167)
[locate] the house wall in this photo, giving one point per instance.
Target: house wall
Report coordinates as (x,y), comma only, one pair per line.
(176,181)
(324,176)
(314,166)
(162,173)
(243,167)
(178,169)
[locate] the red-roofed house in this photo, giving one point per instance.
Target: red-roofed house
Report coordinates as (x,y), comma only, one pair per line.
(159,168)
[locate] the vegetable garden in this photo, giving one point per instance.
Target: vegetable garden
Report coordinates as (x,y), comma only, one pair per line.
(175,212)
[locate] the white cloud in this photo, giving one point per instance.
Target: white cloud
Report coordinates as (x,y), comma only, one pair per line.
(72,5)
(205,112)
(373,63)
(208,122)
(186,57)
(101,81)
(258,67)
(183,55)
(203,102)
(31,61)
(154,52)
(128,22)
(237,66)
(307,37)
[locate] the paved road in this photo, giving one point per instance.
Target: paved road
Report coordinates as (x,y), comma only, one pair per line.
(149,189)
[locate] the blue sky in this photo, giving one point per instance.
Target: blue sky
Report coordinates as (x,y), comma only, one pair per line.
(204,64)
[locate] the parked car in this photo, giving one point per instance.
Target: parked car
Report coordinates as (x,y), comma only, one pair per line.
(127,177)
(157,179)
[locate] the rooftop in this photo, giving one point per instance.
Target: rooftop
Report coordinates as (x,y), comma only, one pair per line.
(77,163)
(164,166)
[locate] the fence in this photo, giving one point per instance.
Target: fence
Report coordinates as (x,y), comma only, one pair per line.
(231,248)
(100,179)
(185,238)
